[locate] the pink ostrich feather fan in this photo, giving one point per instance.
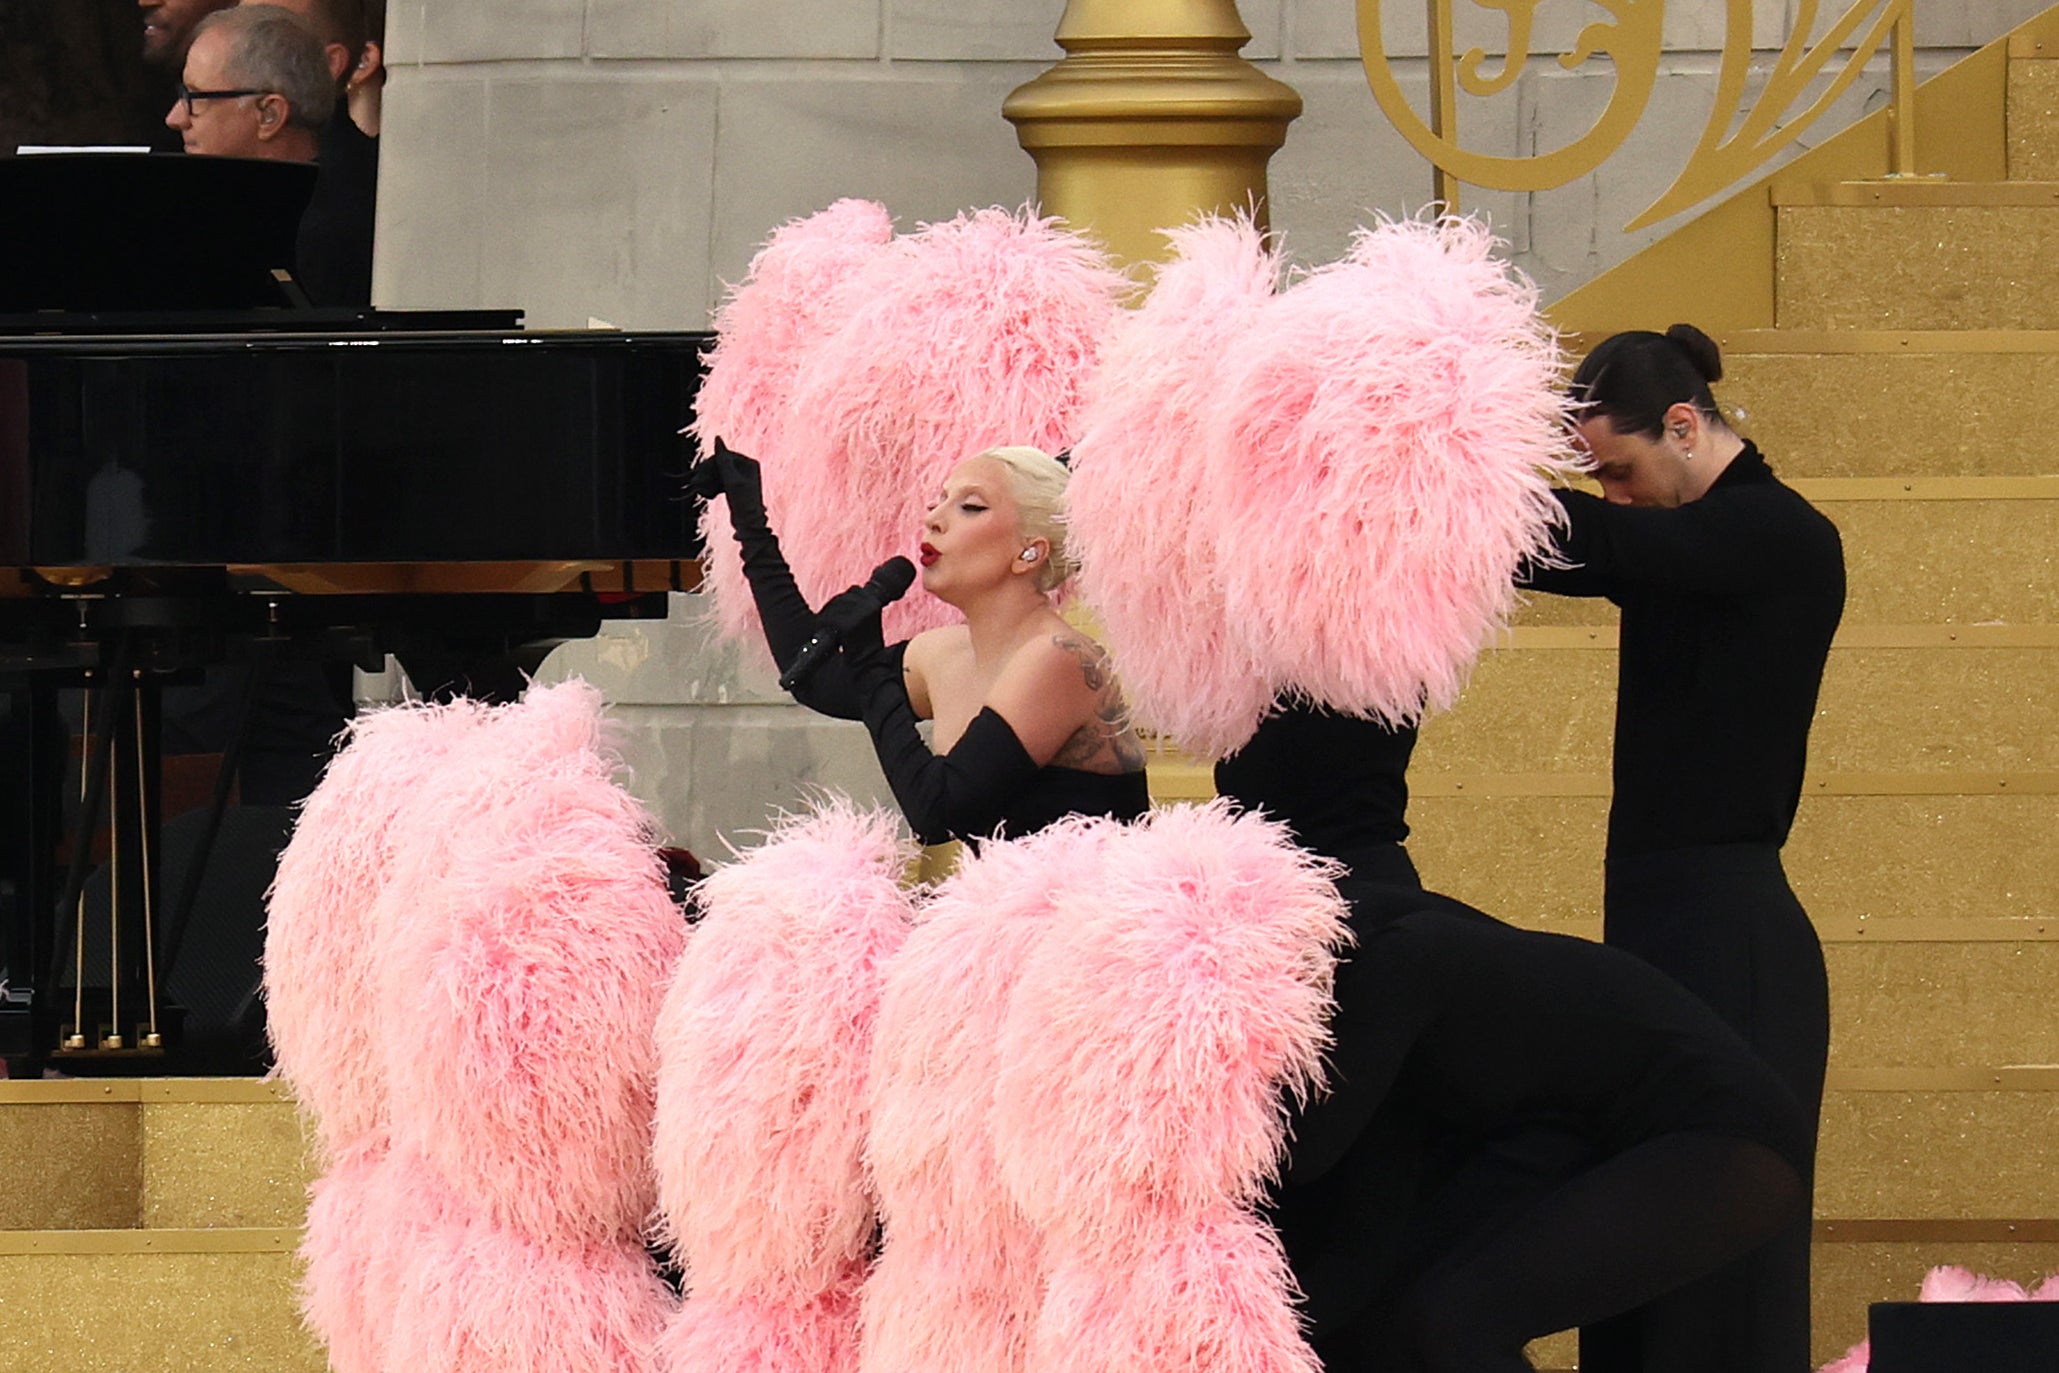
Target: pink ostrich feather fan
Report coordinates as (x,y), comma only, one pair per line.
(940,1302)
(748,1333)
(1390,425)
(323,946)
(931,1150)
(796,293)
(1182,994)
(1150,558)
(474,1297)
(959,337)
(1210,1294)
(764,1042)
(521,992)
(956,1282)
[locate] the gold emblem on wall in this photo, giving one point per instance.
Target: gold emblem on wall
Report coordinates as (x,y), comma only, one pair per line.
(1735,141)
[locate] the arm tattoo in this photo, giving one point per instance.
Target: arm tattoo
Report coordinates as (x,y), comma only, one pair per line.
(1109,732)
(1092,659)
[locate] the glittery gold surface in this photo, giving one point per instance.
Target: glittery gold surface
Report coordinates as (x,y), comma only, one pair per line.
(1934,562)
(1916,267)
(1944,1005)
(1526,711)
(1856,415)
(2033,119)
(73,1166)
(1954,1155)
(1850,1277)
(1538,609)
(1882,710)
(1924,856)
(223,1164)
(1926,710)
(1533,861)
(1555,1352)
(1536,860)
(153,1313)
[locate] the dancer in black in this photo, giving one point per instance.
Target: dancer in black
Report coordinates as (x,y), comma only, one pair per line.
(1524,1131)
(1731,587)
(1030,722)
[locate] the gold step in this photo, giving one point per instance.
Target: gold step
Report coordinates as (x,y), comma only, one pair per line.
(1914,710)
(1836,412)
(150,1154)
(1856,860)
(1935,1005)
(1939,561)
(1916,255)
(1935,1155)
(2033,110)
(154,1301)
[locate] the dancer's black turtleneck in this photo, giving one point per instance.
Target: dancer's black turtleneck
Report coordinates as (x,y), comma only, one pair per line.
(1729,603)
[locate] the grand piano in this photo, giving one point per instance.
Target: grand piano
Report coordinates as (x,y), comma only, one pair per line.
(202,477)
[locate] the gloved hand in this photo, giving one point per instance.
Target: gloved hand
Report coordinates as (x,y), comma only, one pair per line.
(726,472)
(782,610)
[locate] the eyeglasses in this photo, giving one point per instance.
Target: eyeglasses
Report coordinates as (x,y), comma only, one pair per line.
(187,97)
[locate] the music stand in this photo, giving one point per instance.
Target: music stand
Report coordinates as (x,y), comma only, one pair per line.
(147,231)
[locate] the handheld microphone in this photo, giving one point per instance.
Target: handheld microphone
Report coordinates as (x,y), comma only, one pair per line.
(888,583)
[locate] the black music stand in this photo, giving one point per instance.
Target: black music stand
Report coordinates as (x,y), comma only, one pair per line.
(148,231)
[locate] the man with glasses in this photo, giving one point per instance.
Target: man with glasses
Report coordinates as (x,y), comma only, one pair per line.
(256,84)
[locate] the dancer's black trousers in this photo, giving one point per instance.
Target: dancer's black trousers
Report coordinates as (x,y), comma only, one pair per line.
(1723,922)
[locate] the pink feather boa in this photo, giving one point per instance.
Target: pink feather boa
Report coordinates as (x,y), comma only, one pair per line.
(1357,463)
(859,369)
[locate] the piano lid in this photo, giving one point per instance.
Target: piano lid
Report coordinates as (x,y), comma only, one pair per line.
(293,449)
(149,231)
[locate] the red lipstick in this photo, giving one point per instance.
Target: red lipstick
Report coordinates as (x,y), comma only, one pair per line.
(927,555)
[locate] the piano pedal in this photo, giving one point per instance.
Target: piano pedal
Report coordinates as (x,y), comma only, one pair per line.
(107,1043)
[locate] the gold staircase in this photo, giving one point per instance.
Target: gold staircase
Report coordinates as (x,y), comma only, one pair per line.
(150,1226)
(1895,345)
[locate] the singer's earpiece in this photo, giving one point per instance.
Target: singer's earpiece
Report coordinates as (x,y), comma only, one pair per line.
(1028,555)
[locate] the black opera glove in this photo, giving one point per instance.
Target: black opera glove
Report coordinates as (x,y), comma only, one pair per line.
(962,794)
(784,612)
(726,472)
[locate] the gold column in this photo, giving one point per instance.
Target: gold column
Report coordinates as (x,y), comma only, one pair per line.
(1150,119)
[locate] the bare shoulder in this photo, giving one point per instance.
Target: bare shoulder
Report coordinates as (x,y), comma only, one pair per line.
(934,646)
(931,658)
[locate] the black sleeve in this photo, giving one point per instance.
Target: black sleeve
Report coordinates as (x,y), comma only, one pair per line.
(1576,577)
(788,619)
(1729,541)
(961,794)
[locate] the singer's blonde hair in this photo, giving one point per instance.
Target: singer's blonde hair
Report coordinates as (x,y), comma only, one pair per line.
(1037,482)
